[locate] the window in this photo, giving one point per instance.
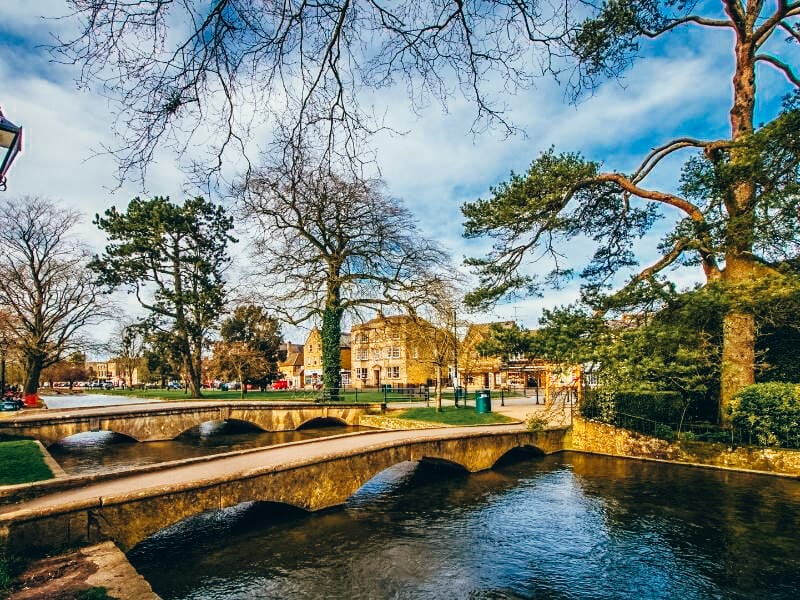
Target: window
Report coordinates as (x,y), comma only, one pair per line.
(361,373)
(394,352)
(376,354)
(393,372)
(362,338)
(362,354)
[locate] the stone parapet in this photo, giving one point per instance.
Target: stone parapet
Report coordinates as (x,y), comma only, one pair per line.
(388,422)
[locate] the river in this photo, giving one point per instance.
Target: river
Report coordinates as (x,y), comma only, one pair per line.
(562,526)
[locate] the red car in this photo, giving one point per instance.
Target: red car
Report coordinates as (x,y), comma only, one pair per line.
(281,384)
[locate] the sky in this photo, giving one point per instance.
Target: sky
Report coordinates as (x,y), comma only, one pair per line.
(680,86)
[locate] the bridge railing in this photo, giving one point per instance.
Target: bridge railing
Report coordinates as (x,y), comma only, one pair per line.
(381,395)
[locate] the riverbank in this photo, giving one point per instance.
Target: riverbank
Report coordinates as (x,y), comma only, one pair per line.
(67,576)
(594,437)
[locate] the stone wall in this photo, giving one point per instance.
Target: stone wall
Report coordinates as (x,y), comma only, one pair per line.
(388,422)
(601,438)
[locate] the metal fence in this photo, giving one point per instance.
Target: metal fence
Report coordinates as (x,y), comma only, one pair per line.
(701,431)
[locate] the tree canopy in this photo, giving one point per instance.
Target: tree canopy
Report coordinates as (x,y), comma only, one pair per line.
(736,201)
(173,258)
(250,346)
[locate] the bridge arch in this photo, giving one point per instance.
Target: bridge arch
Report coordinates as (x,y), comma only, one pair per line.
(223,517)
(518,453)
(328,421)
(71,438)
(242,424)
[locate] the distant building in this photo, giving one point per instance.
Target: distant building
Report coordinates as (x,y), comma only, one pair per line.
(479,370)
(312,358)
(110,371)
(291,368)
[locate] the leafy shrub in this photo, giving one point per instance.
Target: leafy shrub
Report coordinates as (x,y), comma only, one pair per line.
(767,414)
(536,424)
(10,567)
(662,406)
(598,404)
(663,431)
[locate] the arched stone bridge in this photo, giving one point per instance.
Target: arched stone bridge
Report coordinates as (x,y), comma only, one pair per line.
(166,421)
(312,475)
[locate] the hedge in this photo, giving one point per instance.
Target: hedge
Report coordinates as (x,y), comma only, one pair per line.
(767,414)
(661,406)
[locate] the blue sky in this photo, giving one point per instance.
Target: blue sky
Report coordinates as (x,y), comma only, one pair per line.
(680,86)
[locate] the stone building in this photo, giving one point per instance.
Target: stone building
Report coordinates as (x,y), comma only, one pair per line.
(312,358)
(477,370)
(291,367)
(384,354)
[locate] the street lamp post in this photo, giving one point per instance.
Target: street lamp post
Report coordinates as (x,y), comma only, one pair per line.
(11,143)
(455,359)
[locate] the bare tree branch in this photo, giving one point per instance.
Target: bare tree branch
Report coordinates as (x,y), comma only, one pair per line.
(786,69)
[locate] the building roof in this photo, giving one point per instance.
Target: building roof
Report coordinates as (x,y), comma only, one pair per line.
(293,359)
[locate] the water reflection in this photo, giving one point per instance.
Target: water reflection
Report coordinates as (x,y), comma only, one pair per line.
(102,451)
(89,400)
(565,526)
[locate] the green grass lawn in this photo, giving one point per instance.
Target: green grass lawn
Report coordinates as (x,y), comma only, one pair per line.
(21,461)
(453,416)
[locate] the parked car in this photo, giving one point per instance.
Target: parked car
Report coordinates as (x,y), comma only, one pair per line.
(11,404)
(174,385)
(281,384)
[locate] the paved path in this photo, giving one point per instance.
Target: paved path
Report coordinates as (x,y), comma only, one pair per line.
(235,466)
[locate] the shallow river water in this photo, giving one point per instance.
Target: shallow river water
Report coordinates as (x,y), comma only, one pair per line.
(562,526)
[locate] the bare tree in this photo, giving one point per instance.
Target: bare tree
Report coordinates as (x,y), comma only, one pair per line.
(327,245)
(127,348)
(45,287)
(181,70)
(432,332)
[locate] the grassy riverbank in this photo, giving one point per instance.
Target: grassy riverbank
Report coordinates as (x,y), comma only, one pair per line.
(359,396)
(21,461)
(451,415)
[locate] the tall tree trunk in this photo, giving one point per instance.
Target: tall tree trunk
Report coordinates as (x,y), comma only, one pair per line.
(195,371)
(33,371)
(331,341)
(438,388)
(739,328)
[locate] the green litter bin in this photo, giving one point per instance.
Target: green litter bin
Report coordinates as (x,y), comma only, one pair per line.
(483,401)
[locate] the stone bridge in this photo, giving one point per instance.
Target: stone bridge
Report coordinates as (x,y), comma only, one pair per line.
(166,421)
(312,475)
